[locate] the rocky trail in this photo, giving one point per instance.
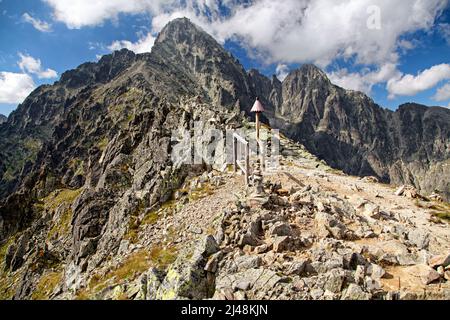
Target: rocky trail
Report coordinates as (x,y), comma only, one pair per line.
(320,235)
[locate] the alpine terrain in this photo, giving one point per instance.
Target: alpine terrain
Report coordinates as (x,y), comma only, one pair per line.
(93,205)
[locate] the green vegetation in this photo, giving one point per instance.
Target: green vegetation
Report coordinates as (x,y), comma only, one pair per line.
(62,227)
(8,285)
(46,285)
(61,197)
(150,218)
(163,257)
(3,248)
(136,264)
(199,193)
(77,165)
(103,143)
(7,280)
(441,210)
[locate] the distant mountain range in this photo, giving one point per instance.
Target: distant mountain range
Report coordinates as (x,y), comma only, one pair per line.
(82,160)
(345,128)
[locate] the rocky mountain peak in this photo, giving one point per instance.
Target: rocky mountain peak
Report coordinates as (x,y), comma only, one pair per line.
(308,74)
(3,118)
(181,30)
(196,56)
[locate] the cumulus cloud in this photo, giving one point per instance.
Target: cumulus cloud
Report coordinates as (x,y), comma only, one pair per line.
(282,71)
(15,87)
(410,85)
(144,44)
(280,31)
(31,65)
(365,80)
(368,33)
(81,13)
(37,24)
(443,93)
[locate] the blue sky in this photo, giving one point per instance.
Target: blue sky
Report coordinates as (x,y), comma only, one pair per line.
(397,51)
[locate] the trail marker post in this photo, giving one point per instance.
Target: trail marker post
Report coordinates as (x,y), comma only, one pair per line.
(258,108)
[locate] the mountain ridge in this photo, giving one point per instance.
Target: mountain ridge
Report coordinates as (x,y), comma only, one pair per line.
(88,184)
(297,105)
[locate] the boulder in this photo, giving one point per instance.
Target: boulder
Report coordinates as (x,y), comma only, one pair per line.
(298,267)
(335,281)
(419,238)
(355,292)
(280,229)
(441,260)
(281,244)
(248,262)
(426,274)
(375,271)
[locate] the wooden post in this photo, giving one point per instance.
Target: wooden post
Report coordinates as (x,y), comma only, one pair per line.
(257,126)
(247,163)
(235,154)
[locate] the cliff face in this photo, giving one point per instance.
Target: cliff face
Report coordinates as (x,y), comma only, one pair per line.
(352,133)
(84,161)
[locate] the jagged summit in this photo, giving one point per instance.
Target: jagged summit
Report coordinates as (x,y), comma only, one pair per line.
(86,174)
(308,73)
(180,30)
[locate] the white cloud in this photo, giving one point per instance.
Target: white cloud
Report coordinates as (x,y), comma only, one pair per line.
(81,13)
(15,87)
(31,65)
(410,85)
(365,80)
(321,30)
(443,93)
(289,31)
(37,24)
(282,71)
(144,44)
(280,31)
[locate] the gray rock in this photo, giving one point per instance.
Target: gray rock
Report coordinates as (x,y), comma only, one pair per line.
(281,244)
(249,239)
(213,262)
(360,274)
(280,229)
(335,281)
(372,285)
(419,238)
(375,271)
(355,292)
(248,262)
(208,246)
(242,285)
(316,293)
(298,267)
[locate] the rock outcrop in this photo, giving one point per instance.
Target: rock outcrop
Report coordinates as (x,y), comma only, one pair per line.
(352,133)
(92,205)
